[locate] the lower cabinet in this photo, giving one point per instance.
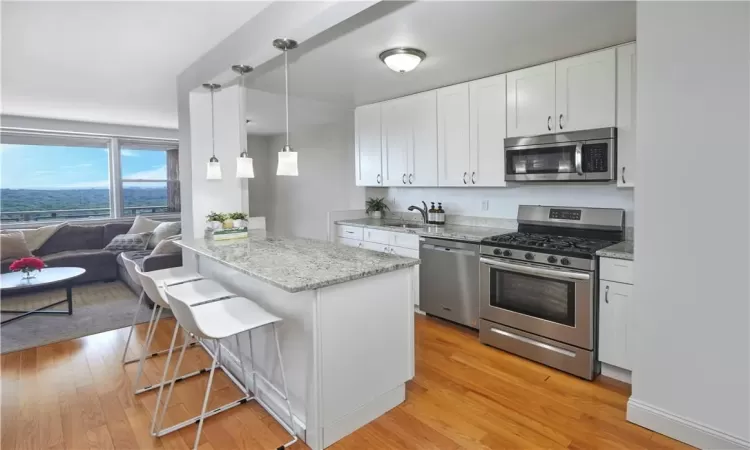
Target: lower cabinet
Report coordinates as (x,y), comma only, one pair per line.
(614,311)
(349,242)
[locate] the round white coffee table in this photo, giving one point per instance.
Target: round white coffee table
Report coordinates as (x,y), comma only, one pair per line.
(50,277)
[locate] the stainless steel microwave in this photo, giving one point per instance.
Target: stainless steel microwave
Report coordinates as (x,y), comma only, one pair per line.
(576,156)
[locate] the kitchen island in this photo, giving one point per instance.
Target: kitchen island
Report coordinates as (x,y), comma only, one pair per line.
(348,332)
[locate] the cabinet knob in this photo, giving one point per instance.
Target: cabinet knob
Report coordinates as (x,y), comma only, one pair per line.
(623,174)
(464,178)
(561,116)
(473,178)
(379,178)
(403,178)
(606,294)
(549,119)
(411,177)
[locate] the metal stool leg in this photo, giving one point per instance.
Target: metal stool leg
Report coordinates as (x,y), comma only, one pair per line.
(208,393)
(242,361)
(132,327)
(186,338)
(286,391)
(164,376)
(252,363)
(149,338)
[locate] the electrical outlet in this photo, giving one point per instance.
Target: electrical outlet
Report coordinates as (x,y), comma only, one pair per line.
(485,205)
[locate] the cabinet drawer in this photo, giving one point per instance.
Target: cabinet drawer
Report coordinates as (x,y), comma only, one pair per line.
(349,242)
(349,232)
(405,240)
(619,270)
(382,248)
(377,236)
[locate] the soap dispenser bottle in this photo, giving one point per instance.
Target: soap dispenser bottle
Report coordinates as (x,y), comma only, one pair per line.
(432,214)
(440,214)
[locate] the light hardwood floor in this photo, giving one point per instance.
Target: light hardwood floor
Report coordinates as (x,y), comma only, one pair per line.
(76,395)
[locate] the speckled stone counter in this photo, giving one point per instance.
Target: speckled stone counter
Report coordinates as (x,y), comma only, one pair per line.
(459,232)
(297,264)
(621,250)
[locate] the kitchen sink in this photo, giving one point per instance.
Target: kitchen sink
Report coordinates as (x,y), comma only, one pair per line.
(405,225)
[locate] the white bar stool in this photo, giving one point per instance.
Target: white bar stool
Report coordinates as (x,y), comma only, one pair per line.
(153,285)
(219,319)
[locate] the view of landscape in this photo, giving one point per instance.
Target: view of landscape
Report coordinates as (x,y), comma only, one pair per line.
(52,182)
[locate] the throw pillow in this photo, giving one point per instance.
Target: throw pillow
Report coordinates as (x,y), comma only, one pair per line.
(13,245)
(128,242)
(142,225)
(162,231)
(166,247)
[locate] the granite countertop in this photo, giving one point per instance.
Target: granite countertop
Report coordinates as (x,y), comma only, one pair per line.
(621,250)
(449,231)
(297,264)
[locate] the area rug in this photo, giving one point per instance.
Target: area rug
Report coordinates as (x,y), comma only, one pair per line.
(97,307)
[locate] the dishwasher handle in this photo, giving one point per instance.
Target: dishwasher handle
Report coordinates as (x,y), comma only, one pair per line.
(458,251)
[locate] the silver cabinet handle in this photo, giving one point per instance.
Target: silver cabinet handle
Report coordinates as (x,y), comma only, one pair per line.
(549,127)
(403,178)
(579,158)
(473,178)
(464,178)
(411,177)
(379,178)
(606,294)
(623,174)
(561,121)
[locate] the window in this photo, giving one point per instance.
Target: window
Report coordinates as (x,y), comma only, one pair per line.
(53,177)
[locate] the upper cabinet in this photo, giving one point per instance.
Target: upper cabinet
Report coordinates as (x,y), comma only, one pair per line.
(367,146)
(585,89)
(454,161)
(626,117)
(487,127)
(396,137)
(531,101)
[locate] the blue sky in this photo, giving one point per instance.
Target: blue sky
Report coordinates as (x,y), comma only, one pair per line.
(56,167)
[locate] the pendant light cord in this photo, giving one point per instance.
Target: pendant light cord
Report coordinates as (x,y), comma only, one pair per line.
(286,82)
(239,113)
(213,139)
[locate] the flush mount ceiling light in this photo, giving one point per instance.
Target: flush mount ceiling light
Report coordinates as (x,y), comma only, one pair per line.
(244,162)
(213,169)
(287,157)
(402,59)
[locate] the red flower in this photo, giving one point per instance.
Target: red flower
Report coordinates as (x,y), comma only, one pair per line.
(27,264)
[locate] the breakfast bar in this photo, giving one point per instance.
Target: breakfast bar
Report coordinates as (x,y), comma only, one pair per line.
(347,337)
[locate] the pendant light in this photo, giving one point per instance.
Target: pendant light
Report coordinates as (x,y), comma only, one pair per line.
(244,162)
(287,157)
(213,169)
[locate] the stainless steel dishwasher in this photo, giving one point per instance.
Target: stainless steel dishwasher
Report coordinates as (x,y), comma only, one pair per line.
(449,280)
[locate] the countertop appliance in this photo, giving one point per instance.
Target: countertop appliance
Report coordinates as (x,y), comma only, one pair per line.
(538,286)
(576,156)
(449,280)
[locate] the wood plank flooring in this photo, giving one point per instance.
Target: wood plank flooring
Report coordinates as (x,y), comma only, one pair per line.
(76,395)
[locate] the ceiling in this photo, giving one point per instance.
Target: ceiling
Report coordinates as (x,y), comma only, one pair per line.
(463,41)
(111,62)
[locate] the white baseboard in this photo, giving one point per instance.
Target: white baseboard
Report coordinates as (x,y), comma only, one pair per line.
(681,428)
(419,311)
(616,373)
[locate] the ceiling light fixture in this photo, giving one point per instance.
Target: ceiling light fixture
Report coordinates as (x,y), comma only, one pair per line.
(402,59)
(244,162)
(287,157)
(213,169)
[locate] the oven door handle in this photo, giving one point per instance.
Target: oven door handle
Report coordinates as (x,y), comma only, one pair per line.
(549,273)
(579,158)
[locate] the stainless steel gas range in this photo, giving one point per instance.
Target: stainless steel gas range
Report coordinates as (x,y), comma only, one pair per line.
(538,287)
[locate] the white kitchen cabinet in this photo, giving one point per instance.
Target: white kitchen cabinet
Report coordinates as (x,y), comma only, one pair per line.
(614,306)
(454,160)
(487,131)
(396,141)
(383,248)
(626,115)
(585,91)
(531,101)
(367,143)
(422,159)
(349,242)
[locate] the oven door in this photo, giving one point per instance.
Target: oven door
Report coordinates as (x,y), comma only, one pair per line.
(551,302)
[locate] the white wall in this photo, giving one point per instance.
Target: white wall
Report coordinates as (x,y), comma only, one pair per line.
(503,202)
(36,123)
(325,182)
(259,188)
(690,345)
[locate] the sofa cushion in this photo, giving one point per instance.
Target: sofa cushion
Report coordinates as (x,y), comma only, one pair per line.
(163,231)
(128,242)
(100,264)
(73,237)
(136,256)
(13,246)
(113,229)
(143,224)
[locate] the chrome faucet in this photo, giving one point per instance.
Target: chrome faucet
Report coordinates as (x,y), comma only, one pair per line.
(423,211)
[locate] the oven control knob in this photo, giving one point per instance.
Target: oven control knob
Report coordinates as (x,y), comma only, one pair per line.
(529,256)
(497,251)
(565,262)
(551,260)
(507,253)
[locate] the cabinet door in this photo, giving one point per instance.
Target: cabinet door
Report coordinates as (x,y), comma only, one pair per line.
(349,242)
(487,133)
(409,253)
(585,91)
(396,136)
(423,157)
(626,117)
(375,247)
(614,305)
(531,101)
(367,154)
(454,160)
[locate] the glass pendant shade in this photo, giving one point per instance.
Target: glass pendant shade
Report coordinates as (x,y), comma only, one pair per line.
(213,169)
(245,166)
(287,163)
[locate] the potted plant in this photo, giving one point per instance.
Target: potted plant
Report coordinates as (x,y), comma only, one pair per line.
(376,206)
(28,266)
(215,220)
(239,219)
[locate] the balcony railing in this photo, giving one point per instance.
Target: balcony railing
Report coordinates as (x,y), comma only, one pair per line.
(85,213)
